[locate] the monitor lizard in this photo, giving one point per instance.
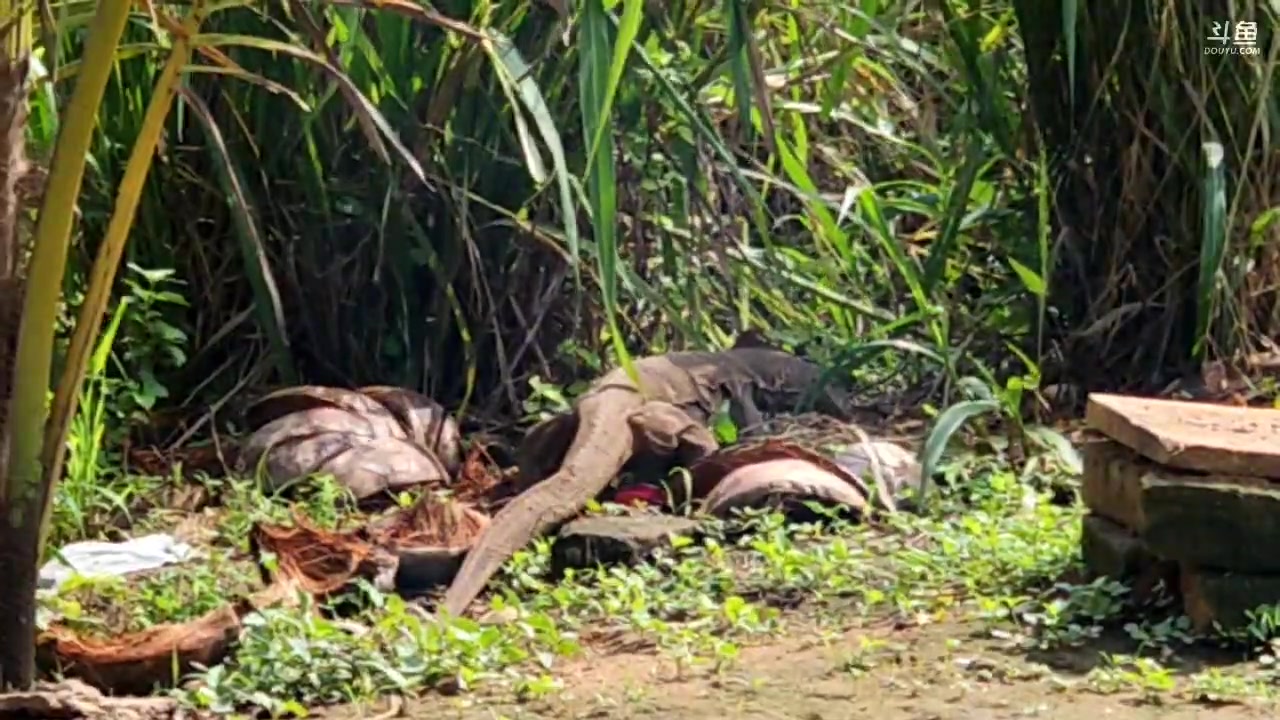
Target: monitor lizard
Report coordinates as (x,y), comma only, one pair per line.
(615,419)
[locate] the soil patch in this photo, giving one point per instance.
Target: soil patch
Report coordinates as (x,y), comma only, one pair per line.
(936,672)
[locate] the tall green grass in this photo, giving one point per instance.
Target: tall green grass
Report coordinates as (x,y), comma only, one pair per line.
(1165,196)
(443,198)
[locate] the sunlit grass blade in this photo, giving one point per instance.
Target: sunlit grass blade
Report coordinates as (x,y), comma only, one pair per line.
(953,215)
(708,134)
(508,62)
(739,61)
(1044,248)
(253,79)
(594,63)
(944,428)
(828,229)
(359,104)
(26,485)
(1213,241)
(253,253)
(98,295)
(628,29)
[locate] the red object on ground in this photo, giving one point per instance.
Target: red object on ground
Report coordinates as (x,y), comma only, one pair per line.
(636,494)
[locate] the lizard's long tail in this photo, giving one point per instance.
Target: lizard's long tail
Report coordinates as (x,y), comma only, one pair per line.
(600,449)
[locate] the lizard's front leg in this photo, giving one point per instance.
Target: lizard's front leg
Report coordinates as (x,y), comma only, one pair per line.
(742,407)
(665,431)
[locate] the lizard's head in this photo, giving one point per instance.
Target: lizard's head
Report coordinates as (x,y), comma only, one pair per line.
(756,339)
(787,383)
(825,392)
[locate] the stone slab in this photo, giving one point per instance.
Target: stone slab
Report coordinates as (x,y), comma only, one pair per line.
(1115,476)
(1112,483)
(1211,523)
(1111,550)
(1225,598)
(622,539)
(1193,436)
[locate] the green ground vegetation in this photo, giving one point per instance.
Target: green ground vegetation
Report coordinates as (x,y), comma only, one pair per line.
(492,201)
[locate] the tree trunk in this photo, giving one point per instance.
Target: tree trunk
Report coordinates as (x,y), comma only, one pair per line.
(18,557)
(19,515)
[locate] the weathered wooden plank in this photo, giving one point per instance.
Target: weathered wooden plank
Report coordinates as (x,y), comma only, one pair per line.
(1224,597)
(1210,523)
(1194,436)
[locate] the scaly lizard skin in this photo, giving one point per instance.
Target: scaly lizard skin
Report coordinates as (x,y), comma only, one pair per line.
(614,418)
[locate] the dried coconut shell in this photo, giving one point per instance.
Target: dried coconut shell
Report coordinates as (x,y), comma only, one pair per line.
(358,455)
(764,483)
(428,424)
(897,465)
(321,562)
(374,440)
(708,473)
(307,398)
(76,699)
(135,663)
(430,540)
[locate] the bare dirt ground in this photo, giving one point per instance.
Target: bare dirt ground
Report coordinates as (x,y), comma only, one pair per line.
(935,672)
